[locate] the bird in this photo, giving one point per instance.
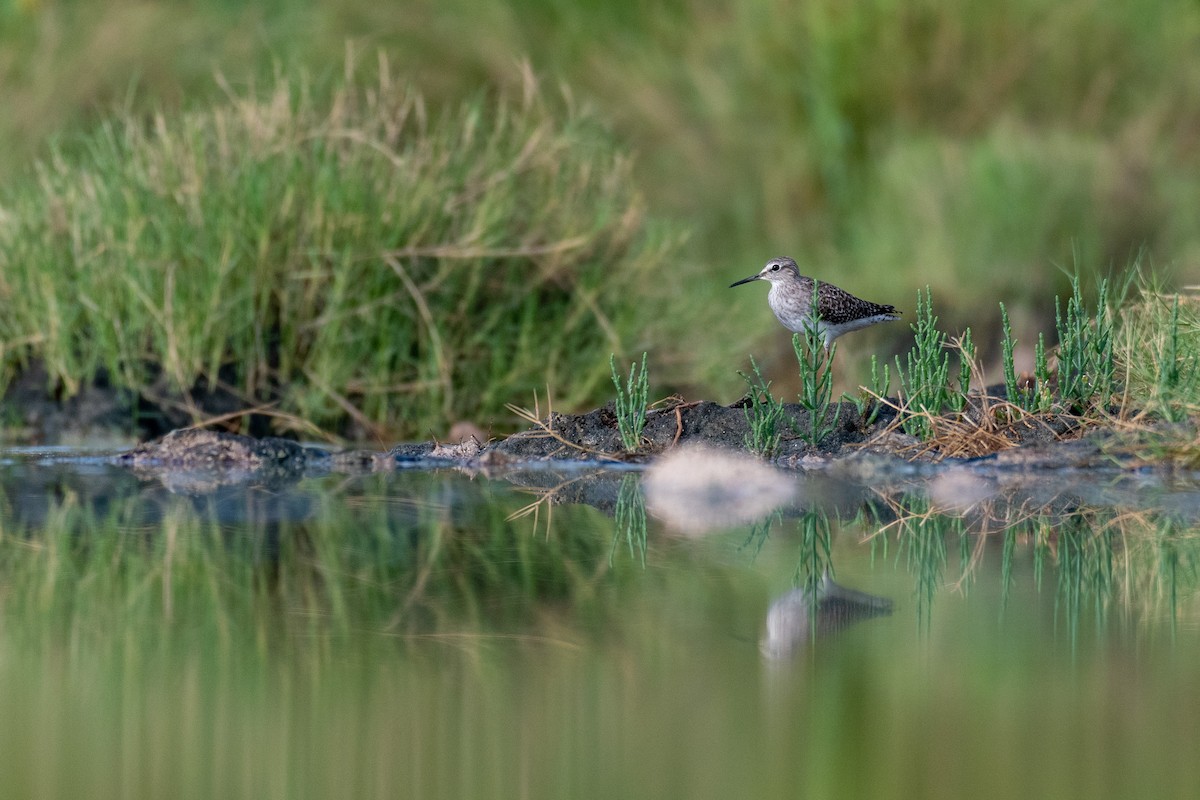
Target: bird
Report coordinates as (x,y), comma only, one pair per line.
(838,311)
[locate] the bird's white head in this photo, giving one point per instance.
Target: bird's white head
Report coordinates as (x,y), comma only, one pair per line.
(776,270)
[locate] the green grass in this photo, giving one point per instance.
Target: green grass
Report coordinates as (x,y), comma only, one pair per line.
(350,255)
(1178,372)
(1083,381)
(880,388)
(1132,355)
(965,147)
(925,385)
(965,346)
(764,414)
(1157,346)
(631,402)
(1085,350)
(1085,376)
(1019,396)
(816,383)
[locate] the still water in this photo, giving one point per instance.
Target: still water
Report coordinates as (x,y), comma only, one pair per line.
(563,633)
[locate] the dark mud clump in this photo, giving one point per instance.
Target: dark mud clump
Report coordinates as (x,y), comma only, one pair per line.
(195,461)
(200,461)
(201,449)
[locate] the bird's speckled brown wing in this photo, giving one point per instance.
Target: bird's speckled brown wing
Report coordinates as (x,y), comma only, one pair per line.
(838,306)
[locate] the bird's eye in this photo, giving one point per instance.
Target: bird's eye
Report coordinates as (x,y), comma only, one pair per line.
(774,268)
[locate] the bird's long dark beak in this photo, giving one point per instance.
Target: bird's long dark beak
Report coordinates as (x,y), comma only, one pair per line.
(753,277)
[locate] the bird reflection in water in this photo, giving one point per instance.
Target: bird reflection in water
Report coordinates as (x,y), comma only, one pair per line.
(801,615)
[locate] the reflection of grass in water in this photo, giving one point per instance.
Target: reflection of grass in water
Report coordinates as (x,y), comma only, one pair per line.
(262,659)
(1007,579)
(630,519)
(815,549)
(1170,565)
(1168,572)
(924,544)
(352,572)
(1094,558)
(760,531)
(267,681)
(1144,561)
(259,660)
(1085,570)
(920,534)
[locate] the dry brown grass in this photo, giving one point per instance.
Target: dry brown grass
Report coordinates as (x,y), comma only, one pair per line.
(543,427)
(975,432)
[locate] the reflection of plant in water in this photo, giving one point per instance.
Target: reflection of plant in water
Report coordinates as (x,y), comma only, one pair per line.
(1147,560)
(630,518)
(921,536)
(629,511)
(1168,568)
(815,547)
(1172,564)
(546,498)
(401,564)
(759,532)
(1085,559)
(1006,563)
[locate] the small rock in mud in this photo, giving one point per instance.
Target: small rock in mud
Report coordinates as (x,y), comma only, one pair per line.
(463,431)
(468,448)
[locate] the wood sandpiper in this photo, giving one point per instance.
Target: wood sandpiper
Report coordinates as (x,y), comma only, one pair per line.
(838,311)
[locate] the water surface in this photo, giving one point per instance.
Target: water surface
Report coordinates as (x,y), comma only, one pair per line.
(538,633)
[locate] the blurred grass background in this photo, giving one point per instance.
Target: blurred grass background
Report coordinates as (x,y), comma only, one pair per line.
(975,148)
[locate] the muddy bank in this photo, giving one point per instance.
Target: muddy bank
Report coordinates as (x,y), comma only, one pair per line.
(101,414)
(36,413)
(1051,442)
(596,436)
